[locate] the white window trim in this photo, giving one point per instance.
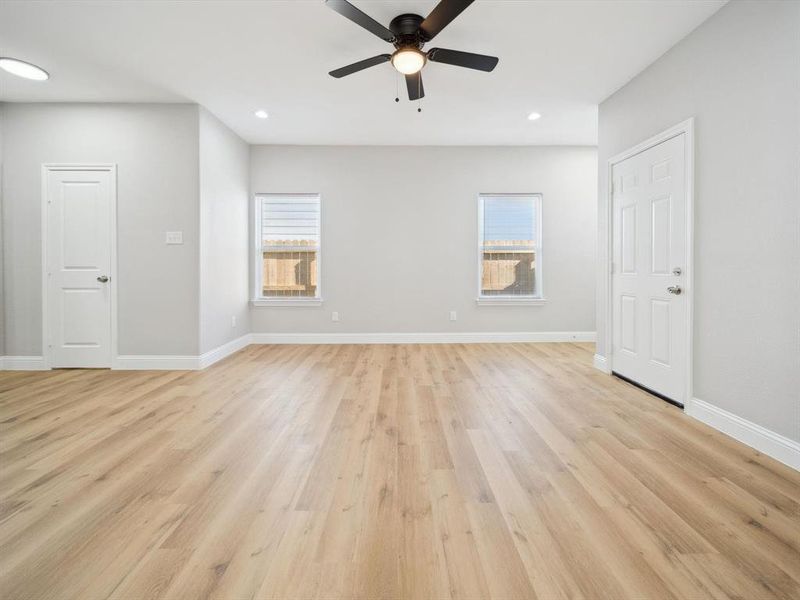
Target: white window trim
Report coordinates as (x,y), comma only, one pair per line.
(288,301)
(510,300)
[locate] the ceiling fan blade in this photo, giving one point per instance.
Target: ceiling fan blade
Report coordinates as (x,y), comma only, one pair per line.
(415,88)
(349,11)
(481,62)
(360,65)
(442,16)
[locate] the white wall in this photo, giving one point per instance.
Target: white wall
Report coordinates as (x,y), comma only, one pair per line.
(738,74)
(399,235)
(224,234)
(156,150)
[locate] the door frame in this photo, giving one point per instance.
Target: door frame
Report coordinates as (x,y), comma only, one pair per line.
(686,128)
(47,168)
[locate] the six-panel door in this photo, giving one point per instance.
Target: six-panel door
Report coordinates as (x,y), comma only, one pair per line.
(648,280)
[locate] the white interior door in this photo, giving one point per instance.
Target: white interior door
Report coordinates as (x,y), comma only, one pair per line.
(80,221)
(648,277)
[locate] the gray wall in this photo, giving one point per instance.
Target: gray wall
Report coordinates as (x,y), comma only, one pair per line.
(738,74)
(156,150)
(224,229)
(399,235)
(2,268)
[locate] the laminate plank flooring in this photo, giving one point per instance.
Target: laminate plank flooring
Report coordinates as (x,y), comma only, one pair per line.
(381,471)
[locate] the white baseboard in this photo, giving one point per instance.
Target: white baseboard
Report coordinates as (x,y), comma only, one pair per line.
(601,363)
(192,363)
(422,338)
(209,358)
(180,363)
(153,362)
(762,439)
(23,363)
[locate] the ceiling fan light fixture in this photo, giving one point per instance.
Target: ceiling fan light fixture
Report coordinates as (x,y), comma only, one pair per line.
(20,68)
(408,61)
(408,33)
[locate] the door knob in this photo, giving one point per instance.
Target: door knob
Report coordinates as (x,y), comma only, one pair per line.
(102,278)
(675,289)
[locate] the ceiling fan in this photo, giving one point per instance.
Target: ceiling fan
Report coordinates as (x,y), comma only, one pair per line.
(409,33)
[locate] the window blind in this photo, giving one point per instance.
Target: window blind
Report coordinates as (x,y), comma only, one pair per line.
(288,221)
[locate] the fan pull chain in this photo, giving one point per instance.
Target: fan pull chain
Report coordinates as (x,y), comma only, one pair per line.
(397,87)
(419,94)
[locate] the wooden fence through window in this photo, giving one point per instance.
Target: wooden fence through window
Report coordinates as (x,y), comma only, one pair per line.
(508,268)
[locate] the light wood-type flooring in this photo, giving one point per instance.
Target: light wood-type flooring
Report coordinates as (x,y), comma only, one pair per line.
(381,471)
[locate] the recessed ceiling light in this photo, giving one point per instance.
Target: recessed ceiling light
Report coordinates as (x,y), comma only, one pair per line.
(533,116)
(24,69)
(262,114)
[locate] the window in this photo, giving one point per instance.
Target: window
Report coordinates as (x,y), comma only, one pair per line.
(288,247)
(510,261)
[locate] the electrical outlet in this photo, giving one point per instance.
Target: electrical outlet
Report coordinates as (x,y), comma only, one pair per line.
(335,317)
(233,321)
(453,315)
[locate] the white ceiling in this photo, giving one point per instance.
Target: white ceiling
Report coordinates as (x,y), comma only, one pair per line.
(558,58)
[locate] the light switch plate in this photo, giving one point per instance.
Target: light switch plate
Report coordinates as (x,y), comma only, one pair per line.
(174,237)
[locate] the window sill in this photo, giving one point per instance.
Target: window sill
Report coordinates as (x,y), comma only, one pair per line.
(500,301)
(278,302)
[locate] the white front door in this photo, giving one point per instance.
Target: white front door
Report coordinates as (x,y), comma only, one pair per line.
(648,278)
(80,220)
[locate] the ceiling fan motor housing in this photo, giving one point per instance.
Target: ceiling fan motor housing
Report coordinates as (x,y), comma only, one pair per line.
(407,32)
